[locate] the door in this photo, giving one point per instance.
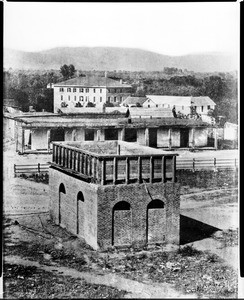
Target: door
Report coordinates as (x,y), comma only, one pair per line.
(121,226)
(156,222)
(153,137)
(184,138)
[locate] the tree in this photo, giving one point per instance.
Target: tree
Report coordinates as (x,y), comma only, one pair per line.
(67,71)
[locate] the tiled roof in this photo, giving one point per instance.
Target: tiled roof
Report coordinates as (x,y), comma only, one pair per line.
(134,100)
(181,100)
(92,81)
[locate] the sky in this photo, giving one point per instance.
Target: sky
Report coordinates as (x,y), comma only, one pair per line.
(165,28)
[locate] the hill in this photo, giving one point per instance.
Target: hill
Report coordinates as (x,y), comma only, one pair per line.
(108,58)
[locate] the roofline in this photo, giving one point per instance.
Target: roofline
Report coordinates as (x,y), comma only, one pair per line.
(93,86)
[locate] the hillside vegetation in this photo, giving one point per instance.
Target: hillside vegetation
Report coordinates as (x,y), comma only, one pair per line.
(110,58)
(30,87)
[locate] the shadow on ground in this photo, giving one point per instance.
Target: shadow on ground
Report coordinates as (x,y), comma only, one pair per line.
(192,230)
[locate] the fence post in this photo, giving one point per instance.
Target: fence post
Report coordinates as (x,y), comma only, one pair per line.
(193,165)
(215,169)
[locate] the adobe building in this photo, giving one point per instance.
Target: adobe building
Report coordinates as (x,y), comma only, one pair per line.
(115,193)
(35,132)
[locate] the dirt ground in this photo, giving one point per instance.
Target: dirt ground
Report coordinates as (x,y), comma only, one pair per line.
(208,222)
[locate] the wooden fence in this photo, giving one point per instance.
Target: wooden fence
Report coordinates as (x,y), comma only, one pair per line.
(31,169)
(193,164)
(206,163)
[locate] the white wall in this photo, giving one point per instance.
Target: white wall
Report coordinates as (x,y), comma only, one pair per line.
(39,139)
(230,131)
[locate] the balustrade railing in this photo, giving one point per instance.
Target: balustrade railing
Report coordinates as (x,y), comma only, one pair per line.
(115,169)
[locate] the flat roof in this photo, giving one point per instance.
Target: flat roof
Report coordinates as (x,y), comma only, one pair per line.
(107,148)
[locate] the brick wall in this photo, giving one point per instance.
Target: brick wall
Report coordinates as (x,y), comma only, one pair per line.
(68,205)
(138,198)
(103,224)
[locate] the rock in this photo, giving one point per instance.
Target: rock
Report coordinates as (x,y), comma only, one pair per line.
(218,234)
(58,246)
(47,256)
(169,265)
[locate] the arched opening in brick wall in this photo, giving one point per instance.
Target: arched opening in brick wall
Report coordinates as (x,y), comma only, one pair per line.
(121,224)
(62,192)
(156,222)
(80,214)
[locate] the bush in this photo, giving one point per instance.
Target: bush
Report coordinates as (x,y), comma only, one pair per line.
(188,251)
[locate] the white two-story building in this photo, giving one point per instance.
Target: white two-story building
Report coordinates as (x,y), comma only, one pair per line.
(78,92)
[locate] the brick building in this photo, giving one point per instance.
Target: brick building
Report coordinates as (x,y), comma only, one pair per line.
(115,193)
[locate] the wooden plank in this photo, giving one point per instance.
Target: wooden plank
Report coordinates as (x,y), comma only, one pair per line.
(103,173)
(163,169)
(114,170)
(139,170)
(98,171)
(151,170)
(127,170)
(173,169)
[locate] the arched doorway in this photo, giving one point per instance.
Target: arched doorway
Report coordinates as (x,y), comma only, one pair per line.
(62,192)
(80,214)
(121,224)
(156,222)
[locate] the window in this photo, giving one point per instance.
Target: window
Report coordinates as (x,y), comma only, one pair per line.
(121,99)
(101,90)
(81,90)
(209,107)
(87,98)
(163,105)
(156,105)
(182,107)
(108,90)
(94,90)
(68,89)
(87,90)
(94,99)
(148,105)
(62,98)
(68,97)
(202,108)
(111,134)
(114,90)
(108,99)
(81,98)
(74,90)
(101,99)
(75,98)
(89,135)
(168,106)
(61,89)
(115,99)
